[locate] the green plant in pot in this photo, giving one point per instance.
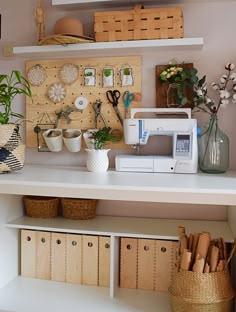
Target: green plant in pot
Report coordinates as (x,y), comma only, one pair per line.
(89,77)
(97,158)
(108,77)
(107,72)
(11,147)
(127,79)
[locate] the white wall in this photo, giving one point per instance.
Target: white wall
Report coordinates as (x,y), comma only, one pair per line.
(213,20)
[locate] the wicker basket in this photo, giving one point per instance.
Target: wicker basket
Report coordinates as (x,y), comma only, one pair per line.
(41,207)
(139,24)
(201,292)
(78,209)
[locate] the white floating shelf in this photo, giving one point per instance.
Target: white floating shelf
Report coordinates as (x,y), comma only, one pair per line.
(125,227)
(77,182)
(27,295)
(104,47)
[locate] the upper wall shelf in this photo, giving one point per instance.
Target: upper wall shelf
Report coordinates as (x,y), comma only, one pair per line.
(117,47)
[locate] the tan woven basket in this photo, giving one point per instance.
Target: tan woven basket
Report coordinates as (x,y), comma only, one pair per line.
(41,207)
(78,209)
(201,292)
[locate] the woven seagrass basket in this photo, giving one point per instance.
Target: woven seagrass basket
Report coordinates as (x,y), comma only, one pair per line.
(78,209)
(41,207)
(201,292)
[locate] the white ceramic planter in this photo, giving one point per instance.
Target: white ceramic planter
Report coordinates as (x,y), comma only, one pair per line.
(89,81)
(97,160)
(108,81)
(127,80)
(72,140)
(54,143)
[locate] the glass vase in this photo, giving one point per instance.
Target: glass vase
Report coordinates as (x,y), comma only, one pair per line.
(213,149)
(172,94)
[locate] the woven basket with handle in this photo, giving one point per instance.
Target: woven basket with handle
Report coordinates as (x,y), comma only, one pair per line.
(76,208)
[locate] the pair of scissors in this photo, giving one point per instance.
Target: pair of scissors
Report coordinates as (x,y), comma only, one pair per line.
(128,97)
(113,97)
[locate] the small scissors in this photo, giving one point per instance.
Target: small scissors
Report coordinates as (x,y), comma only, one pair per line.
(113,97)
(127,99)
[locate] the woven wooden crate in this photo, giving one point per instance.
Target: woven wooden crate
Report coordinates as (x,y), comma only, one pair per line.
(139,24)
(78,209)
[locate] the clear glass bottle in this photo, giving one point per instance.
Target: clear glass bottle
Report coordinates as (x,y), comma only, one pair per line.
(213,148)
(172,94)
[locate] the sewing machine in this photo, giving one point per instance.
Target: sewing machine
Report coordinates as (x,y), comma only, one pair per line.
(137,131)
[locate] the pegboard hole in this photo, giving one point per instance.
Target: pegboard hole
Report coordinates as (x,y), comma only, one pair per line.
(58,241)
(74,243)
(129,247)
(107,245)
(146,248)
(163,249)
(28,238)
(43,240)
(90,244)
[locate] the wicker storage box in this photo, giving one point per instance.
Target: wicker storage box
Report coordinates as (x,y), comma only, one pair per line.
(139,24)
(41,207)
(201,292)
(78,209)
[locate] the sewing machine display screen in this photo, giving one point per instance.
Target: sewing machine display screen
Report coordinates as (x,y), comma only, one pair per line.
(182,145)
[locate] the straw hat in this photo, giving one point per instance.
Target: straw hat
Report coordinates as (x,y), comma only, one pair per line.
(66,30)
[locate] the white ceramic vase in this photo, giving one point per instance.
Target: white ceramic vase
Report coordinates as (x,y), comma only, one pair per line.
(97,160)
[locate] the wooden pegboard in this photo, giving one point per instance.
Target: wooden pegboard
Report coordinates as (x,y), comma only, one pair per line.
(82,120)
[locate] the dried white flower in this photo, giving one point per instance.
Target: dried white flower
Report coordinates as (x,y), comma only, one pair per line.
(223,78)
(215,86)
(230,66)
(233,76)
(224,94)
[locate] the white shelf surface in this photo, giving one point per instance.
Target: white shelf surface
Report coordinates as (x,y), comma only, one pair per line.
(77,182)
(125,227)
(27,295)
(117,46)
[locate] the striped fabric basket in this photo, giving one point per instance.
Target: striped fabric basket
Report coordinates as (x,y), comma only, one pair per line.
(12,150)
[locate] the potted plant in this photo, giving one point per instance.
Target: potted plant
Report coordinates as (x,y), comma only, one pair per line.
(108,77)
(126,77)
(89,77)
(97,160)
(11,147)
